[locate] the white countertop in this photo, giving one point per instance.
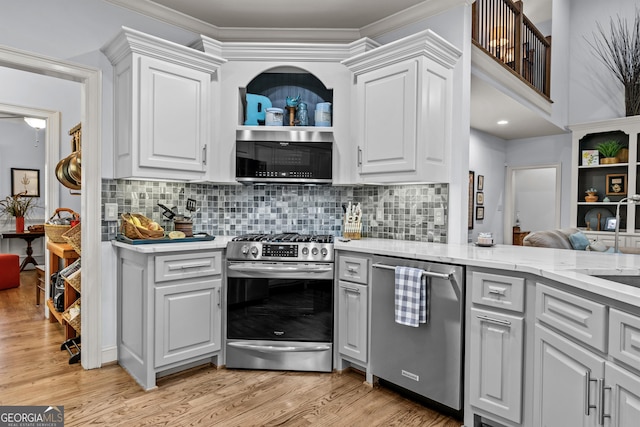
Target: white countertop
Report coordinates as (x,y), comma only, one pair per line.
(573,268)
(219,242)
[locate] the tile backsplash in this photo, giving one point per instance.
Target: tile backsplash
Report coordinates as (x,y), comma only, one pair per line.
(403,212)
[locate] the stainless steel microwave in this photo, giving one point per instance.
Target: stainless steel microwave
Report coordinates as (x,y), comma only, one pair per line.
(286,162)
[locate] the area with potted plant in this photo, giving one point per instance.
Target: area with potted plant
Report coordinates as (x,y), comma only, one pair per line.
(18,206)
(592,195)
(609,151)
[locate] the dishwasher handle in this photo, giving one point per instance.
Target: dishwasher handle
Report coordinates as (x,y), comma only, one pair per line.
(446,276)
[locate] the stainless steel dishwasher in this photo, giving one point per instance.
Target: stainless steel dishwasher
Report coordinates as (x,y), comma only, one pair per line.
(427,360)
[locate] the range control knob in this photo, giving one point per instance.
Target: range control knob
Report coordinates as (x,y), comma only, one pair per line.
(314,251)
(254,251)
(305,251)
(324,252)
(245,250)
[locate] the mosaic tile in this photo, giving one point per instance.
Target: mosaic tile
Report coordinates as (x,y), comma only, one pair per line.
(404,212)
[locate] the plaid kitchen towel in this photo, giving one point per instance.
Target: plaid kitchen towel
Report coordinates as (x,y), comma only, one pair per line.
(411,296)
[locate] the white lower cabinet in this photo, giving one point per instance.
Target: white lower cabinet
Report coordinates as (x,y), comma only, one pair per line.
(576,387)
(352,320)
(169,311)
(496,366)
(188,320)
(621,399)
(565,387)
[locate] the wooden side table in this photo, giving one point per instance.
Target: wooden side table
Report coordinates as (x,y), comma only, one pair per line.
(62,252)
(518,236)
(27,236)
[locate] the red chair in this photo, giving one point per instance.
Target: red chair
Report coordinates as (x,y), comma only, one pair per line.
(9,271)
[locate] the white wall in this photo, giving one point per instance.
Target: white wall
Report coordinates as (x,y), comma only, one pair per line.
(18,150)
(487,157)
(545,151)
(594,93)
(46,93)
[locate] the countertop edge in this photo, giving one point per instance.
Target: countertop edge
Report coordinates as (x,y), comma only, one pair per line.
(572,268)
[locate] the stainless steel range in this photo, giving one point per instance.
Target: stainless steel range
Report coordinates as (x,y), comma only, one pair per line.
(280,302)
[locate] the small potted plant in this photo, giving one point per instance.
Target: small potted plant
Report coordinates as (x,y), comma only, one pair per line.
(592,195)
(17,206)
(609,150)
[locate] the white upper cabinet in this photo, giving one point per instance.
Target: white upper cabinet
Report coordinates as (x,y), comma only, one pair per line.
(402,109)
(163,107)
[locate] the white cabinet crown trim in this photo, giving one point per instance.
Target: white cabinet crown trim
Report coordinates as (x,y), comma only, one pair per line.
(423,44)
(284,51)
(132,41)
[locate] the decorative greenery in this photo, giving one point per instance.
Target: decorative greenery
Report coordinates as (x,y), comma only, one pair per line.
(591,190)
(609,148)
(17,205)
(619,50)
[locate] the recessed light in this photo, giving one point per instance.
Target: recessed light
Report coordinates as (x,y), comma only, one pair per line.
(503,122)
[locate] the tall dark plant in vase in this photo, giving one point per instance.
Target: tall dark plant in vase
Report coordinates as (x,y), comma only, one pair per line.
(619,49)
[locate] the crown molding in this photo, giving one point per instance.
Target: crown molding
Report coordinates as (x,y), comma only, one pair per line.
(396,21)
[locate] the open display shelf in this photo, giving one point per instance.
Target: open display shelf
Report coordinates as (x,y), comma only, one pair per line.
(589,172)
(280,83)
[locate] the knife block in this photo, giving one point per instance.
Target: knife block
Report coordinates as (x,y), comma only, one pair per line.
(352,229)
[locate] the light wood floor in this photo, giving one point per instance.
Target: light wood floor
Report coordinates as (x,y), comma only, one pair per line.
(35,372)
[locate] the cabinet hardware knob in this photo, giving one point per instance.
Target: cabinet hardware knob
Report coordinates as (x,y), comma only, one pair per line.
(497,291)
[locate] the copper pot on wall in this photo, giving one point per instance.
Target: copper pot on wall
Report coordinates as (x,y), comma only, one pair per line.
(69,169)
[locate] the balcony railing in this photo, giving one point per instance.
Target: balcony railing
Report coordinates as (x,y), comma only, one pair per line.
(501,30)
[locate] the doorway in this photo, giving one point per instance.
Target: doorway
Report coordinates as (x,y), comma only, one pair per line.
(533,197)
(90,80)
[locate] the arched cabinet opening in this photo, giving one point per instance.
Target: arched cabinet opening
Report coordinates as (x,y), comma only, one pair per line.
(303,99)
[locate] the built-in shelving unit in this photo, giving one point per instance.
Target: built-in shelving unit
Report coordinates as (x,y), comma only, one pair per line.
(594,174)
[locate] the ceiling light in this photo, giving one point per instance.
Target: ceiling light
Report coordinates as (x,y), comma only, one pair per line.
(36,123)
(503,122)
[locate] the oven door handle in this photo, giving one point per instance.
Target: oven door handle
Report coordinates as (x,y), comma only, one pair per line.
(274,269)
(278,348)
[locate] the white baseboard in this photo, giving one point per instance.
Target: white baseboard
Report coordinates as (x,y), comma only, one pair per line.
(109,355)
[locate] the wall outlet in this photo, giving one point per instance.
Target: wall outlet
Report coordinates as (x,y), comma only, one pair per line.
(110,211)
(438,216)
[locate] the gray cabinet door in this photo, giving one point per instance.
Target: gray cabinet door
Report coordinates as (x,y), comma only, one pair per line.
(496,365)
(624,396)
(352,320)
(565,386)
(187,320)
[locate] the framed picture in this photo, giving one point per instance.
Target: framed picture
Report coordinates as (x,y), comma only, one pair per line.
(610,223)
(479,198)
(616,184)
(590,157)
(25,182)
(479,213)
(472,179)
(480,182)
